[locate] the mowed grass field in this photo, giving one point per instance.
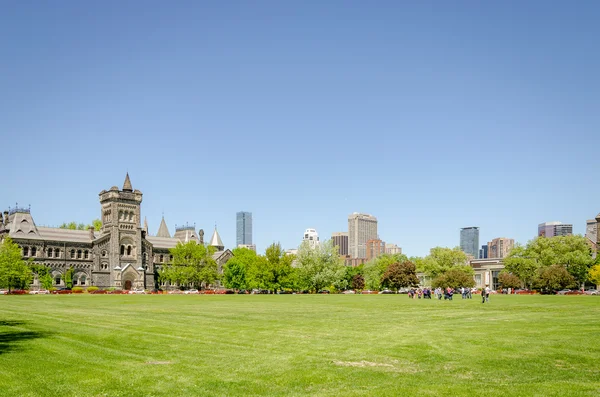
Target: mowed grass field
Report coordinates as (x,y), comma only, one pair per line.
(298,345)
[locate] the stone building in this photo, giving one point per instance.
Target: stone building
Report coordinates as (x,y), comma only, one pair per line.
(120,255)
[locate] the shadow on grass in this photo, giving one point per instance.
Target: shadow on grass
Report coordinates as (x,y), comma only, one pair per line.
(11,340)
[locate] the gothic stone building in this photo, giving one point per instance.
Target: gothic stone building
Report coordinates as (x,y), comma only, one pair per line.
(120,255)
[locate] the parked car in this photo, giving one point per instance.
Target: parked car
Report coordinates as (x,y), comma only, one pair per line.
(592,292)
(3,291)
(190,291)
(386,291)
(563,292)
(349,291)
(324,291)
(137,291)
(40,292)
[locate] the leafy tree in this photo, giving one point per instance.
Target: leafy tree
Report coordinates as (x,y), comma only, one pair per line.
(96,223)
(455,278)
(554,278)
(374,269)
(192,264)
(521,265)
(509,280)
(279,267)
(358,282)
(43,274)
(400,275)
(69,277)
(594,274)
(440,260)
(350,272)
(14,271)
(319,267)
(234,274)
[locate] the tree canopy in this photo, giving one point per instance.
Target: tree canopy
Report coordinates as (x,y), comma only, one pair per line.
(318,267)
(96,224)
(455,278)
(192,264)
(442,259)
(15,273)
(400,275)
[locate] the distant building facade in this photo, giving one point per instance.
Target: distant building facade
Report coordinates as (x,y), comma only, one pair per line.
(243,235)
(483,252)
(340,240)
(500,247)
(591,230)
(469,241)
(375,248)
(361,228)
(392,249)
(312,237)
(553,229)
(248,246)
(120,255)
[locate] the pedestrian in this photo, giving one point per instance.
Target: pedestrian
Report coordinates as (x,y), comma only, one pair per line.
(482,295)
(487,293)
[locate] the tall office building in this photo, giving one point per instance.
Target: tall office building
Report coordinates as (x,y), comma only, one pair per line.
(243,234)
(375,248)
(312,237)
(483,252)
(552,229)
(361,228)
(500,247)
(469,241)
(340,240)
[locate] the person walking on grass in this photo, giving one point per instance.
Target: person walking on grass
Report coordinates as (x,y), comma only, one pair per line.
(483,295)
(487,293)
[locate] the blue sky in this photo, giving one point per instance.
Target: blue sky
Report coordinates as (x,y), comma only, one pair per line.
(430,115)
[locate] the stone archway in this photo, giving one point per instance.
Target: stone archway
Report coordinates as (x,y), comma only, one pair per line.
(127,285)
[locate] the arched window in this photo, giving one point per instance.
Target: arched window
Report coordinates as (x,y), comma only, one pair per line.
(145,256)
(131,216)
(104,253)
(171,257)
(72,254)
(57,252)
(82,280)
(161,259)
(50,252)
(78,254)
(122,250)
(128,250)
(86,254)
(25,251)
(57,280)
(33,251)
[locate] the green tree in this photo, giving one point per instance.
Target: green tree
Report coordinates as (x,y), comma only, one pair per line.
(594,274)
(358,282)
(192,264)
(279,267)
(69,277)
(319,267)
(509,280)
(455,278)
(440,260)
(554,278)
(400,275)
(234,274)
(374,269)
(97,223)
(15,273)
(520,264)
(43,275)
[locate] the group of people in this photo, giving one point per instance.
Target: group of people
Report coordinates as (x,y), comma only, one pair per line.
(448,293)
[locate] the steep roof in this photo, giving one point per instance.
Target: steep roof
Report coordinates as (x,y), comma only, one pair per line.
(162,242)
(163,230)
(215,240)
(127,184)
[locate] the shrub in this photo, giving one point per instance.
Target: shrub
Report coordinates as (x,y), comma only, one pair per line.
(92,289)
(98,291)
(77,290)
(52,289)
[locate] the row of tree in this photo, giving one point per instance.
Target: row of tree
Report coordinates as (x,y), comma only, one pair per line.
(551,264)
(96,224)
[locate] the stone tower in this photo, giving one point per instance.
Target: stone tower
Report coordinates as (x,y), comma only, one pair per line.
(121,243)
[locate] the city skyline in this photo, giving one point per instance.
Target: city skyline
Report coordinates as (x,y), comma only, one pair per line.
(277,115)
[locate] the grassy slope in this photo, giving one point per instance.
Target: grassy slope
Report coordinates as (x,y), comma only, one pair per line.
(298,345)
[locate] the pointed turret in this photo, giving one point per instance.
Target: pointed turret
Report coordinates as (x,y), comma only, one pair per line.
(163,230)
(216,241)
(127,184)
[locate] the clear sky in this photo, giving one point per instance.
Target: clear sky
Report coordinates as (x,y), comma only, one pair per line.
(430,115)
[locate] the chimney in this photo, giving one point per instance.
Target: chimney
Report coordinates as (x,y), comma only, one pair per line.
(91,230)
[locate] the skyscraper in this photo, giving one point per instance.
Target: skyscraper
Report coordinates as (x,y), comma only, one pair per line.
(469,241)
(483,252)
(244,228)
(375,248)
(552,229)
(500,247)
(312,237)
(340,240)
(361,228)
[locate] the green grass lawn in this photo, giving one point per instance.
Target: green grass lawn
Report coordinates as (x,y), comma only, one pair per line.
(293,345)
